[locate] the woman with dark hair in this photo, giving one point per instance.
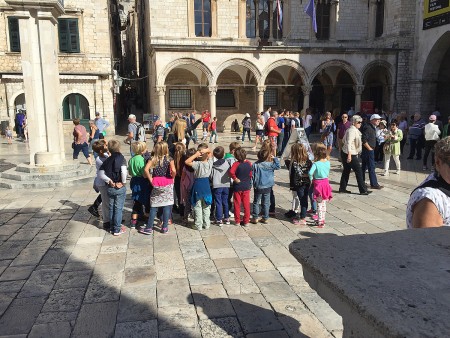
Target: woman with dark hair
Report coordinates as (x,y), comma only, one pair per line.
(80,141)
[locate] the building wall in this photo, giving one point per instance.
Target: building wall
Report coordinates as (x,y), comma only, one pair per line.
(87,73)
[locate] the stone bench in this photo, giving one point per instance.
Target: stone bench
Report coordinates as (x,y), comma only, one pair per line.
(393,284)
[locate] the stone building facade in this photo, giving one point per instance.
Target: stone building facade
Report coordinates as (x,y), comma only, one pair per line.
(86,54)
(235,56)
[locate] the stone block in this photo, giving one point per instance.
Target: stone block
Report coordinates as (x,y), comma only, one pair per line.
(277,291)
(211,301)
(237,281)
(40,283)
(228,263)
(200,265)
(173,292)
(266,276)
(193,250)
(246,249)
(96,320)
(50,330)
(73,279)
(140,329)
(199,278)
(16,273)
(21,315)
(137,304)
(64,300)
(221,328)
(177,317)
(258,264)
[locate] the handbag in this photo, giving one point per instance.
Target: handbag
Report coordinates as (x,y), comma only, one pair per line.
(73,145)
(387,148)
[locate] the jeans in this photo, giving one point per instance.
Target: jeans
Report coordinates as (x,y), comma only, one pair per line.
(311,198)
(221,200)
(246,130)
(354,164)
(368,161)
(244,198)
(83,147)
(280,142)
(429,147)
(116,202)
(415,148)
(194,135)
(272,201)
(302,194)
(213,134)
(202,212)
(167,210)
(265,198)
(308,131)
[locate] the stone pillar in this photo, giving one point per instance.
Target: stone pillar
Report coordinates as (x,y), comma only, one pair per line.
(242,24)
(161,90)
(212,100)
(271,4)
(306,91)
(214,28)
(358,92)
(261,90)
(333,19)
(38,37)
(372,19)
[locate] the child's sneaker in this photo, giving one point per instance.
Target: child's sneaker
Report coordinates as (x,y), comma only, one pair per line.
(145,231)
(94,211)
(311,211)
(121,232)
(133,223)
(320,224)
(315,217)
(254,221)
(165,230)
(263,220)
(244,224)
(226,221)
(219,223)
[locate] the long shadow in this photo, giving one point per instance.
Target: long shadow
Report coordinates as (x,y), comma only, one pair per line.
(388,284)
(60,277)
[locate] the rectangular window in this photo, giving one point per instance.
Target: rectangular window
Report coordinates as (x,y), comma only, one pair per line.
(202,13)
(271,97)
(225,98)
(14,36)
(250,18)
(323,20)
(180,98)
(69,41)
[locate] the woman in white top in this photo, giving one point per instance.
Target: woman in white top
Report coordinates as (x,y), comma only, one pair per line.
(307,122)
(349,157)
(259,129)
(432,133)
(429,204)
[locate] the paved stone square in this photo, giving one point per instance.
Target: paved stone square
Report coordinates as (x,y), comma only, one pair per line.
(61,275)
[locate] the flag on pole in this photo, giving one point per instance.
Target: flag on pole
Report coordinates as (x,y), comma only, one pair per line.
(310,9)
(280,15)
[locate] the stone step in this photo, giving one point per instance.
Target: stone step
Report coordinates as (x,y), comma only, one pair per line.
(67,166)
(67,182)
(13,174)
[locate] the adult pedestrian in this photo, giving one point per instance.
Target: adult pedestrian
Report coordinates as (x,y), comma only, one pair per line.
(445,130)
(94,135)
(429,203)
(267,114)
(432,133)
(369,141)
(158,132)
(206,117)
(80,141)
(280,125)
(287,130)
(213,130)
(259,129)
(416,137)
(192,119)
(403,126)
(20,116)
(341,129)
(178,133)
(307,122)
(273,131)
(327,129)
(101,124)
(382,131)
(351,148)
(133,132)
(392,148)
(246,126)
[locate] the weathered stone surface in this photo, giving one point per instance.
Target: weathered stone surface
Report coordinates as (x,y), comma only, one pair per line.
(137,304)
(64,300)
(199,278)
(177,317)
(40,283)
(142,329)
(258,264)
(277,291)
(73,279)
(246,249)
(96,320)
(237,281)
(21,315)
(200,265)
(137,277)
(266,276)
(174,292)
(211,301)
(50,330)
(228,263)
(193,250)
(52,317)
(221,328)
(104,288)
(255,314)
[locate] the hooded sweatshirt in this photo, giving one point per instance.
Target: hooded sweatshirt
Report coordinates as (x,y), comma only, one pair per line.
(263,175)
(220,174)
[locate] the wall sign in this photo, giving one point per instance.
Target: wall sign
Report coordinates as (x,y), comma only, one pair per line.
(436,13)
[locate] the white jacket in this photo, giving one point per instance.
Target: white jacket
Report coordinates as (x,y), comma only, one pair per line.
(432,132)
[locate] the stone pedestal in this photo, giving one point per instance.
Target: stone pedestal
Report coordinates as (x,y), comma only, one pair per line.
(38,37)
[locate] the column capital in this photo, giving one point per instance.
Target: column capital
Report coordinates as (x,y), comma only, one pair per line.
(358,89)
(307,89)
(161,90)
(212,90)
(261,89)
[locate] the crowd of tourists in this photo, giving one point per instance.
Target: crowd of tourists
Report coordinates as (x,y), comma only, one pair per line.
(201,183)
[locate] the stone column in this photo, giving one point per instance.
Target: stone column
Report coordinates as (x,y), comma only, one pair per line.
(358,92)
(261,90)
(161,90)
(38,37)
(214,29)
(271,20)
(242,17)
(306,91)
(372,19)
(212,100)
(333,19)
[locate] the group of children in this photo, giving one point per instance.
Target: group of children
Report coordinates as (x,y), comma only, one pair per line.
(199,179)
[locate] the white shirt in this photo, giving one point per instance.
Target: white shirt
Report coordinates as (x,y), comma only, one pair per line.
(432,132)
(266,116)
(307,121)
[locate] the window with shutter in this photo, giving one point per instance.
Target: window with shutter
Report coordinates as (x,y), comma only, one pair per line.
(69,41)
(14,36)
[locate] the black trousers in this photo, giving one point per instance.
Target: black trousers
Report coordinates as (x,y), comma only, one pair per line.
(348,167)
(429,147)
(415,148)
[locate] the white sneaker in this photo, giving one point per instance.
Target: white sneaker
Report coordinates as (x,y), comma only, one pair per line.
(386,173)
(397,172)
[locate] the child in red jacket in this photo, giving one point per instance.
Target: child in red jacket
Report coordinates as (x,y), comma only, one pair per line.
(241,174)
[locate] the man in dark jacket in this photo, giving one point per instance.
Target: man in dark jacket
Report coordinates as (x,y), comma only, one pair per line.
(416,137)
(369,141)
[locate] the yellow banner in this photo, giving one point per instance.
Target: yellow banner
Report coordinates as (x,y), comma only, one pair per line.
(435,7)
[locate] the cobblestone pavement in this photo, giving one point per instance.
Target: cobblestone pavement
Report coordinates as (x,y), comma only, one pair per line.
(62,275)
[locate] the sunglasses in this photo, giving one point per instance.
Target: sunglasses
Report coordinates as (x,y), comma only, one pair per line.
(345,117)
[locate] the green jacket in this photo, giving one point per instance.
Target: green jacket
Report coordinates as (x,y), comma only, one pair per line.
(445,131)
(392,147)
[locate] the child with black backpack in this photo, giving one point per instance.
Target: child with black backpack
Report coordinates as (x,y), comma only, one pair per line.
(299,180)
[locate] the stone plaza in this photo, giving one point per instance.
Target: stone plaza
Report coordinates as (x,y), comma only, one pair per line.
(62,275)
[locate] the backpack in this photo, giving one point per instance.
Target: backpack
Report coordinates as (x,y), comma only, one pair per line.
(299,174)
(439,184)
(140,133)
(297,123)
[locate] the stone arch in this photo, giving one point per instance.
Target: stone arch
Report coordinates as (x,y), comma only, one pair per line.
(183,62)
(337,63)
(89,99)
(285,62)
(13,98)
(237,62)
(378,63)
